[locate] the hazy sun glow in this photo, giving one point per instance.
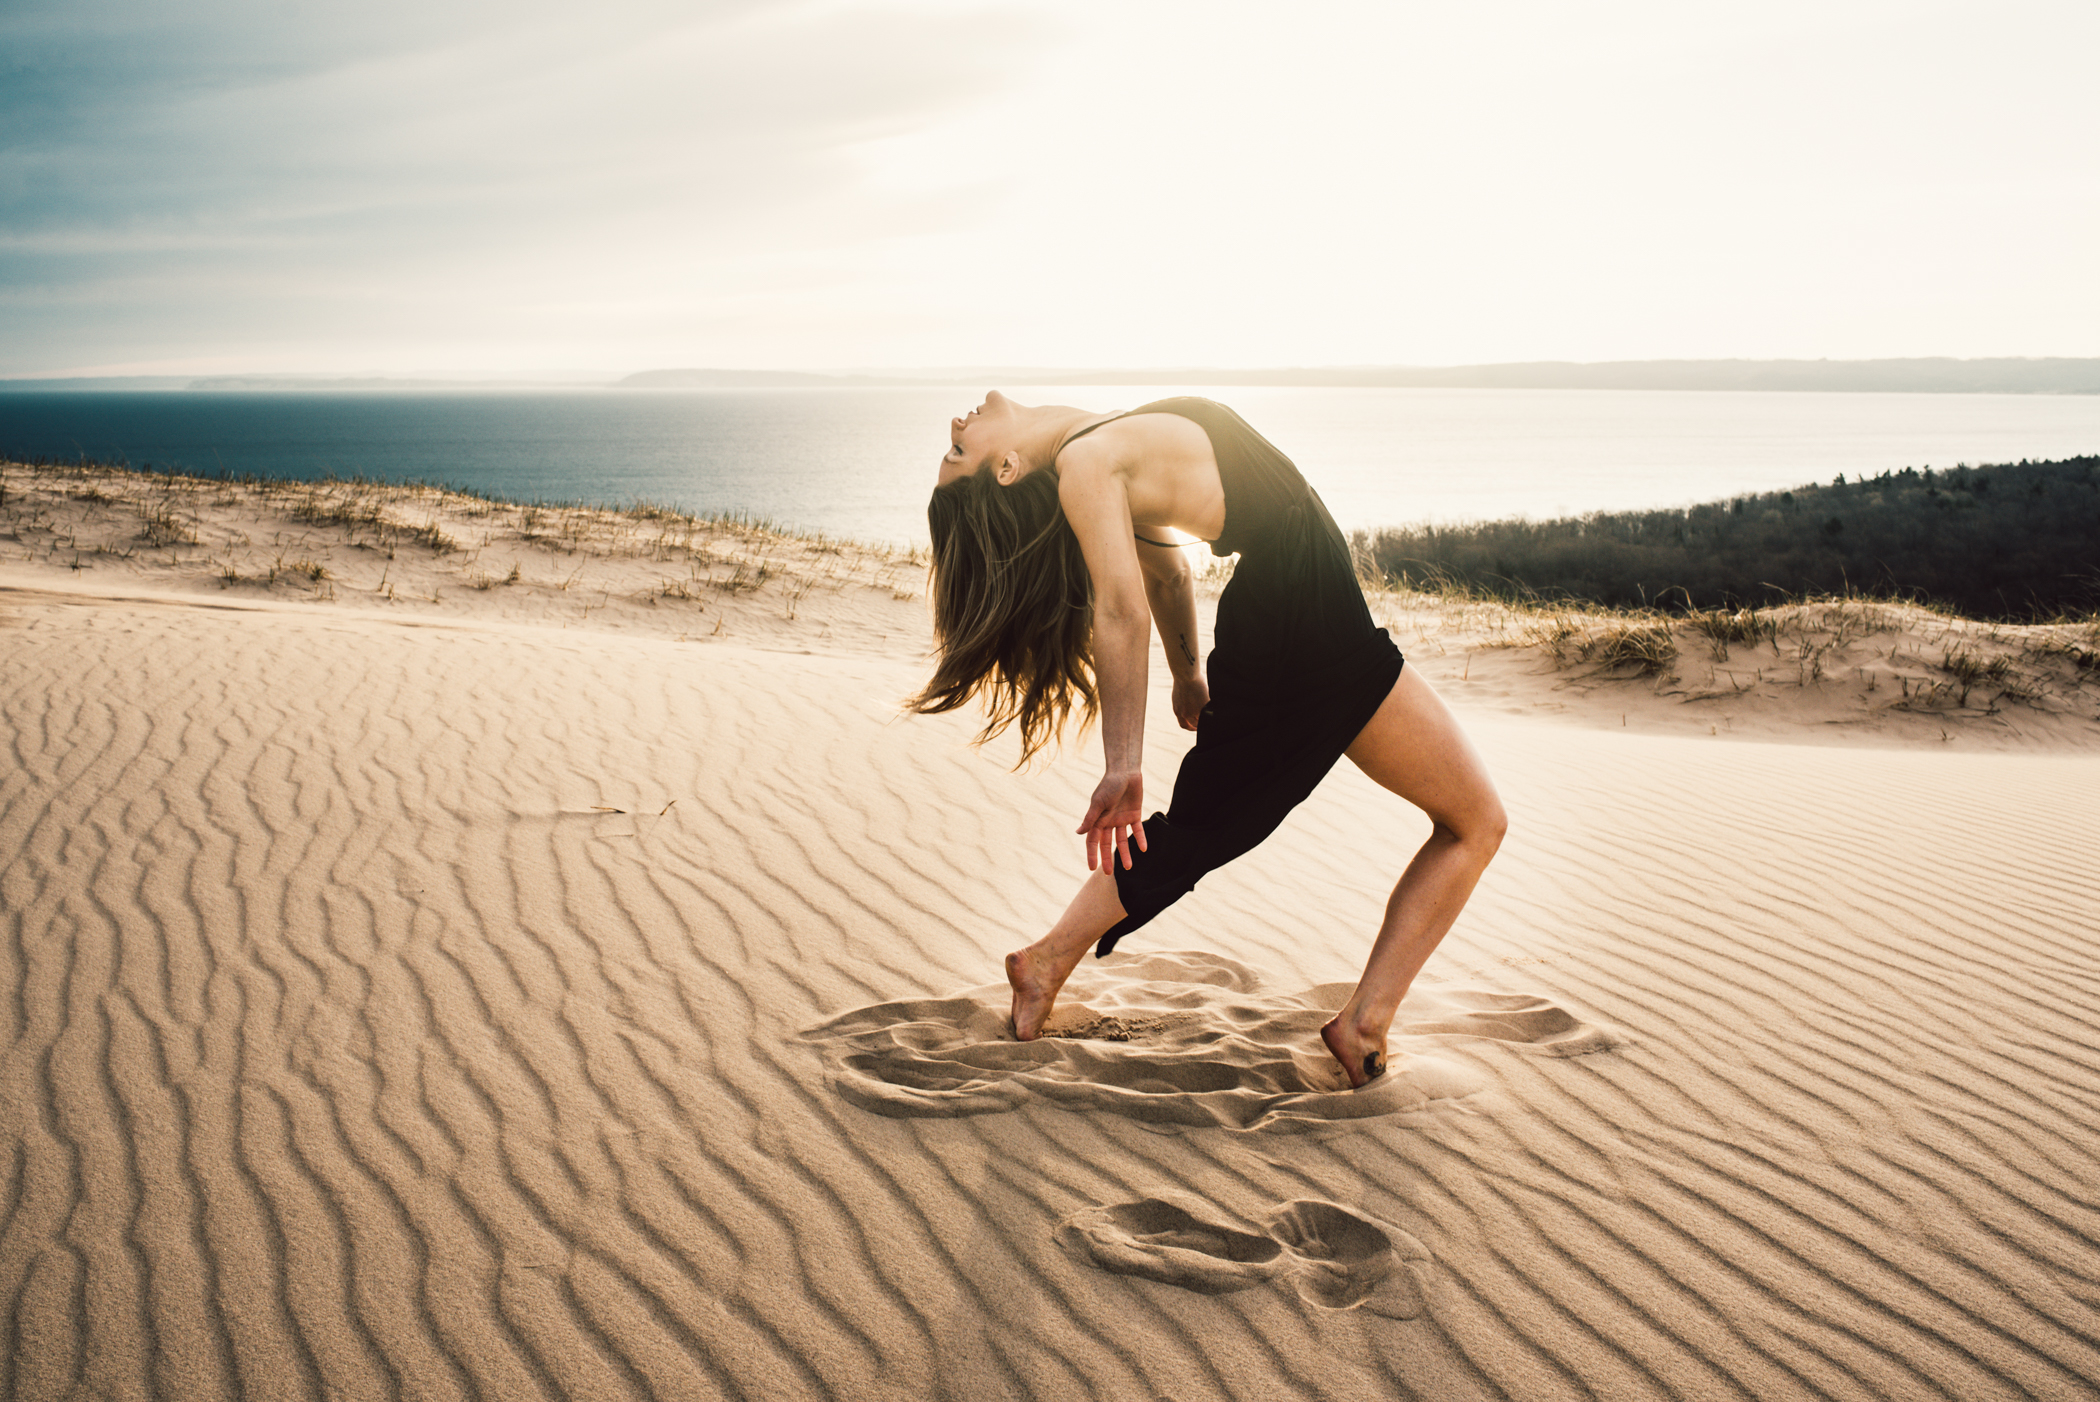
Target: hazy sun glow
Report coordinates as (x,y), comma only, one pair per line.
(229,186)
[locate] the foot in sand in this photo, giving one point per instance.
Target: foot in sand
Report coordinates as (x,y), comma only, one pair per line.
(1362,1057)
(1036,977)
(1039,971)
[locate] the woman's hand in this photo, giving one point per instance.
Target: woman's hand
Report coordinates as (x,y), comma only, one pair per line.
(1112,817)
(1191,695)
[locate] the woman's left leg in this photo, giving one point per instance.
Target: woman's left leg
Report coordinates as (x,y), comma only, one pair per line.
(1414,747)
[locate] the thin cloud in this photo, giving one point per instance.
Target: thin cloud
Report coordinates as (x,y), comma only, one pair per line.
(512,147)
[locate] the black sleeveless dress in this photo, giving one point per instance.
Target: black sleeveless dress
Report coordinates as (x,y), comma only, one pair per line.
(1297,669)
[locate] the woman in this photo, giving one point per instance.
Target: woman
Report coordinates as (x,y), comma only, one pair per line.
(1054,539)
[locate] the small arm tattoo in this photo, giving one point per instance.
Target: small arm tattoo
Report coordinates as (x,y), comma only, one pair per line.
(1186,650)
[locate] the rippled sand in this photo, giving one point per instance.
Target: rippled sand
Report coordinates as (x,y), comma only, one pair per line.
(444,1003)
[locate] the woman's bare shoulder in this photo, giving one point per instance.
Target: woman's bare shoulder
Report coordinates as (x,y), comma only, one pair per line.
(1088,469)
(1163,463)
(1137,442)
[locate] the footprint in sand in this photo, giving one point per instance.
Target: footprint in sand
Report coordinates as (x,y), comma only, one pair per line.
(1174,1039)
(1345,1260)
(1337,1259)
(1174,1239)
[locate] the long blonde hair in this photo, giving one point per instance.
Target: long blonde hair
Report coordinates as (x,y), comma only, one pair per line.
(1013,608)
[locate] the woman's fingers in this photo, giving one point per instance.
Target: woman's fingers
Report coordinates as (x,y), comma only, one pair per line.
(1124,832)
(1109,841)
(1111,819)
(1095,812)
(1100,843)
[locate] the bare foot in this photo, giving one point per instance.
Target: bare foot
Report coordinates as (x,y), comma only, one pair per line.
(1035,986)
(1362,1060)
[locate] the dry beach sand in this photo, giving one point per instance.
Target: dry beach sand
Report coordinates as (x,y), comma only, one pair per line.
(453,950)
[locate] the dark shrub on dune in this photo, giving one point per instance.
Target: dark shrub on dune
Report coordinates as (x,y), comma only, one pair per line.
(2013,541)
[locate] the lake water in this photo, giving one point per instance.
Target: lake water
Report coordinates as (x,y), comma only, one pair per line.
(860,462)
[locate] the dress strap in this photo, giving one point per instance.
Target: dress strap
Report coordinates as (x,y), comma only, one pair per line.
(1164,544)
(1084,429)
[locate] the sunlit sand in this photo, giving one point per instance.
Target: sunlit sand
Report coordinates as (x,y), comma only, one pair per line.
(460,949)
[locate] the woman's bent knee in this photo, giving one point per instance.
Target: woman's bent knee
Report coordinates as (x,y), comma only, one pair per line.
(1479,829)
(1494,825)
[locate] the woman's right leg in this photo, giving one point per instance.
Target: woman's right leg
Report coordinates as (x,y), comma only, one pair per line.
(1414,747)
(1040,970)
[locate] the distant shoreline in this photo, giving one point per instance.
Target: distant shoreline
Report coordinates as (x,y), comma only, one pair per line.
(1917,375)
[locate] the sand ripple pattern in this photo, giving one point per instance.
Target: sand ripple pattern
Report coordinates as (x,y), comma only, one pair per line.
(1183,1038)
(418,1012)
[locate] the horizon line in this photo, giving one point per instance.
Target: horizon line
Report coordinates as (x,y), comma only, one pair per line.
(1944,374)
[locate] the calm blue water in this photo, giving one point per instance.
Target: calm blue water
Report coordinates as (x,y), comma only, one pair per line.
(859,462)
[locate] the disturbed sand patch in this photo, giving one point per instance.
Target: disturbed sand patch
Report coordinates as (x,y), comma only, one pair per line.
(1196,1039)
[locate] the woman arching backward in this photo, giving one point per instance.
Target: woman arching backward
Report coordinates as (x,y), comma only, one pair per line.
(1056,546)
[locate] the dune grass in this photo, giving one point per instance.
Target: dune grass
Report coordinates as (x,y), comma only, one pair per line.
(50,511)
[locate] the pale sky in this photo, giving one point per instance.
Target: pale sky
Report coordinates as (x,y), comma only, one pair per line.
(401,186)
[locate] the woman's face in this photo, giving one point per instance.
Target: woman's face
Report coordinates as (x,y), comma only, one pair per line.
(978,437)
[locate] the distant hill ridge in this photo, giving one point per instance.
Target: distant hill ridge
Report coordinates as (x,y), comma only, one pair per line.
(1927,375)
(752,379)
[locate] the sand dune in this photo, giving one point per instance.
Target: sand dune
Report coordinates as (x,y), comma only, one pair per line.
(453,1004)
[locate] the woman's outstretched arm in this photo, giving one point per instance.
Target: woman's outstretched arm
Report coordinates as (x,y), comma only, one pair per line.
(1098,508)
